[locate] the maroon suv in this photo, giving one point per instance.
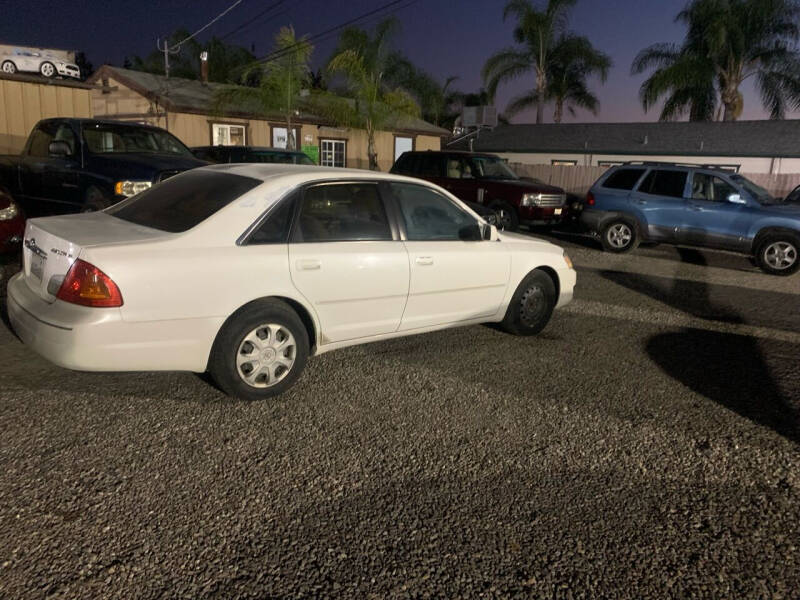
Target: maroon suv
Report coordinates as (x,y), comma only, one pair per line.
(487,179)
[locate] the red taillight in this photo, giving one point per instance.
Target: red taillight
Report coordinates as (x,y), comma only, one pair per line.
(590,199)
(87,285)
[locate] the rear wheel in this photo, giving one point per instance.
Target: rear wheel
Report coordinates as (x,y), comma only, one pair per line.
(777,254)
(47,69)
(260,352)
(507,218)
(532,305)
(9,67)
(619,236)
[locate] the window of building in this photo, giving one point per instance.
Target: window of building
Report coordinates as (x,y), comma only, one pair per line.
(342,213)
(662,182)
(332,153)
(429,215)
(402,144)
(280,137)
(564,163)
(608,163)
(623,179)
(224,134)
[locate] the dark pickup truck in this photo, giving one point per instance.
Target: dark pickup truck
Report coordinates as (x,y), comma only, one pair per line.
(72,165)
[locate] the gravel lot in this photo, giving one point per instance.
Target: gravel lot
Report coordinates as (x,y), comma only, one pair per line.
(647,444)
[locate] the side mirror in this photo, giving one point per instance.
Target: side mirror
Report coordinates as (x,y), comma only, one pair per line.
(471,233)
(490,233)
(736,199)
(59,148)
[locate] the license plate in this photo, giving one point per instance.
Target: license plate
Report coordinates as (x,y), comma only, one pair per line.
(37,266)
(557,211)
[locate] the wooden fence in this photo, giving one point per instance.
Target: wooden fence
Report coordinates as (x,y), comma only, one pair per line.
(577,180)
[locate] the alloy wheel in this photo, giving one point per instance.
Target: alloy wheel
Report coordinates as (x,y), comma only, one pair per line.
(266,355)
(619,235)
(780,255)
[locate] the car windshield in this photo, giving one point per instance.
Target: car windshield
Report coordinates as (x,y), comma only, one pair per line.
(112,139)
(761,195)
(488,167)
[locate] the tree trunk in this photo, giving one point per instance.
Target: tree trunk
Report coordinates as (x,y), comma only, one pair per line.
(373,156)
(559,111)
(541,84)
(290,141)
(733,102)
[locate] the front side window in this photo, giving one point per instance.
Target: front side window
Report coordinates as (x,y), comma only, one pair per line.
(761,195)
(108,138)
(623,179)
(342,213)
(664,183)
(428,215)
(711,188)
(458,168)
(487,167)
(183,201)
(227,135)
(332,153)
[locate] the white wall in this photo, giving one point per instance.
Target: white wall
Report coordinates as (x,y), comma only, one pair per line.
(775,166)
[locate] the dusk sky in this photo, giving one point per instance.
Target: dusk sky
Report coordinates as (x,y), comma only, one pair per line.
(444,37)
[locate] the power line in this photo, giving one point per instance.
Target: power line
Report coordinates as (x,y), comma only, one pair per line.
(209,24)
(283,51)
(253,20)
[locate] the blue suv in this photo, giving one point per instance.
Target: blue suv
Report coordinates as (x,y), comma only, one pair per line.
(693,206)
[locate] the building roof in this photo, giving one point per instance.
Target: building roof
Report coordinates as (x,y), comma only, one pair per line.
(738,138)
(193,96)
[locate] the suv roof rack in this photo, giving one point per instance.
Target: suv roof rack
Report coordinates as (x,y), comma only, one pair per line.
(647,163)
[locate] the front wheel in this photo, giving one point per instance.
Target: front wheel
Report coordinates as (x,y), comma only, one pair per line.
(47,69)
(619,236)
(777,254)
(260,352)
(9,67)
(531,305)
(507,218)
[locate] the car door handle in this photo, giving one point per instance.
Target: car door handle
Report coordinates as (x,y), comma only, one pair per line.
(309,264)
(424,260)
(640,201)
(697,208)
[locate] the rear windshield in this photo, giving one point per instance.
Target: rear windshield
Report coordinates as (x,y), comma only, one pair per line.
(183,201)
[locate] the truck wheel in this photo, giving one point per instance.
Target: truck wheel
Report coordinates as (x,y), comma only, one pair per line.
(95,200)
(47,69)
(619,235)
(507,218)
(9,67)
(777,254)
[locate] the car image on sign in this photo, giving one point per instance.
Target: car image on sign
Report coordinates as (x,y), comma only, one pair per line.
(245,271)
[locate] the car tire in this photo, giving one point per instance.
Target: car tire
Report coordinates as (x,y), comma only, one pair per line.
(9,67)
(531,305)
(619,236)
(279,351)
(779,253)
(95,200)
(507,218)
(47,69)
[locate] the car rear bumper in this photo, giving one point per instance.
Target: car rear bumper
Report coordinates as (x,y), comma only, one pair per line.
(98,339)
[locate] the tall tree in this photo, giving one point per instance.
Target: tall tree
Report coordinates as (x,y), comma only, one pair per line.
(573,61)
(536,33)
(363,58)
(726,43)
(282,81)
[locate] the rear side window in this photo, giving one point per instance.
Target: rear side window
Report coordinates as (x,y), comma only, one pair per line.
(623,179)
(183,201)
(664,183)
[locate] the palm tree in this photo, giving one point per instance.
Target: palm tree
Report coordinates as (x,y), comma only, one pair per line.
(363,59)
(283,77)
(536,34)
(573,61)
(726,43)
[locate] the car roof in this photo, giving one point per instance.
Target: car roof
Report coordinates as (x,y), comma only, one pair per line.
(453,152)
(81,121)
(270,171)
(670,165)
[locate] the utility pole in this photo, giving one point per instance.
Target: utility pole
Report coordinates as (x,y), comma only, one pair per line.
(167,51)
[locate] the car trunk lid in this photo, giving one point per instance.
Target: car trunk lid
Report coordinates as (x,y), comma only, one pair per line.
(52,244)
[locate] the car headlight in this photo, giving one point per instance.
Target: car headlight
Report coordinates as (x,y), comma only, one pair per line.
(531,199)
(568,260)
(131,188)
(9,212)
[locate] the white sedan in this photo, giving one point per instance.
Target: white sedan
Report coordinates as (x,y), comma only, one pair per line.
(246,270)
(36,62)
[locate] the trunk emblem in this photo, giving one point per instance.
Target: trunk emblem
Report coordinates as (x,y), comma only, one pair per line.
(30,244)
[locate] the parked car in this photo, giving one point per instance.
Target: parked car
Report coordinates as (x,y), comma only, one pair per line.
(695,206)
(71,165)
(38,62)
(246,270)
(250,154)
(12,224)
(486,179)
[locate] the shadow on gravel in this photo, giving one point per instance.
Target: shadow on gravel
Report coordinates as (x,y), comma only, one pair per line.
(727,368)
